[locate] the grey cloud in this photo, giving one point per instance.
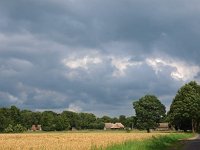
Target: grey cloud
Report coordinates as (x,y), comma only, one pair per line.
(36,36)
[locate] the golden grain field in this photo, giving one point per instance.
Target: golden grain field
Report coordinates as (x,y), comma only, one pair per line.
(66,141)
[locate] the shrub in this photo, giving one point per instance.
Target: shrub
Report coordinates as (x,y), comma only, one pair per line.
(9,129)
(15,129)
(19,128)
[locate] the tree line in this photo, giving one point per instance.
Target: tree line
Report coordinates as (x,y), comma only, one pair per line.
(15,120)
(184,114)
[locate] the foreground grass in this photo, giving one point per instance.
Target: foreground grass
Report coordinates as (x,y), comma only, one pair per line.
(155,143)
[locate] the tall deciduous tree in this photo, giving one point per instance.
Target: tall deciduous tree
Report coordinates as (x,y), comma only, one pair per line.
(185,108)
(47,120)
(86,119)
(72,117)
(123,120)
(106,119)
(61,123)
(149,111)
(131,122)
(15,114)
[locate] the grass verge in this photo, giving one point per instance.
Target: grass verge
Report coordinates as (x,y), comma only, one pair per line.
(155,143)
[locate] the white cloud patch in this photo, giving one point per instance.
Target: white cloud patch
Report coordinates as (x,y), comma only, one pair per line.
(74,108)
(182,70)
(83,62)
(121,64)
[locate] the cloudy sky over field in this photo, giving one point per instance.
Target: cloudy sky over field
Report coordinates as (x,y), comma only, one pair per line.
(96,55)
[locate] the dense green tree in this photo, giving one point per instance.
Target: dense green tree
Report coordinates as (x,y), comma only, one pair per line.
(47,121)
(19,128)
(123,120)
(96,125)
(15,115)
(29,118)
(106,119)
(149,111)
(9,129)
(114,120)
(3,123)
(15,129)
(73,118)
(36,117)
(86,119)
(7,116)
(131,122)
(61,123)
(185,109)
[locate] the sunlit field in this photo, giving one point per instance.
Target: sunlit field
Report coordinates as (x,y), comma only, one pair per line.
(68,140)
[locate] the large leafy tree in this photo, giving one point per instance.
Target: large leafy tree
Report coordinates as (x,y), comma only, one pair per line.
(185,109)
(10,116)
(149,111)
(123,120)
(48,120)
(15,114)
(72,117)
(86,119)
(106,119)
(61,123)
(30,118)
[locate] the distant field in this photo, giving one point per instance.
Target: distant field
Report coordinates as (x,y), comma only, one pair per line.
(67,140)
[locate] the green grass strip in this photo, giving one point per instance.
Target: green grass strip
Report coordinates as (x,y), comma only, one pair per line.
(155,143)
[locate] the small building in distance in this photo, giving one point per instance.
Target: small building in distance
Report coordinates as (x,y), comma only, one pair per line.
(36,128)
(164,127)
(113,126)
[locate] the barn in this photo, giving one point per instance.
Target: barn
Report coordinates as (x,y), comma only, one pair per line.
(36,128)
(163,127)
(113,126)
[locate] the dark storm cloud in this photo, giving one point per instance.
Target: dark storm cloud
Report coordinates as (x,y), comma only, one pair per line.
(96,56)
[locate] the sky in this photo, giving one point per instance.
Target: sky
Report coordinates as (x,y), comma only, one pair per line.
(96,56)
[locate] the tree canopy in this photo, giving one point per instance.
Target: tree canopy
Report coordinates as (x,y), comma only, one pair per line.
(149,111)
(185,109)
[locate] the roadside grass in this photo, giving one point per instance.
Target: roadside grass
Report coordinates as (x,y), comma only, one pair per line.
(154,143)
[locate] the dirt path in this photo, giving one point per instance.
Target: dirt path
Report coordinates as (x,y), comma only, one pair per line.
(192,144)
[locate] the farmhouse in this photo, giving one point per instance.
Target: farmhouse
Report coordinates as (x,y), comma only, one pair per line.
(163,127)
(113,126)
(36,128)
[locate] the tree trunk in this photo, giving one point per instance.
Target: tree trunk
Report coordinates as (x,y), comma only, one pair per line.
(193,126)
(197,126)
(148,130)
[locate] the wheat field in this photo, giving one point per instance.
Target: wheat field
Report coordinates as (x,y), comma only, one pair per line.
(67,141)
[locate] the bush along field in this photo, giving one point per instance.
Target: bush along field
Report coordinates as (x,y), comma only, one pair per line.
(162,142)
